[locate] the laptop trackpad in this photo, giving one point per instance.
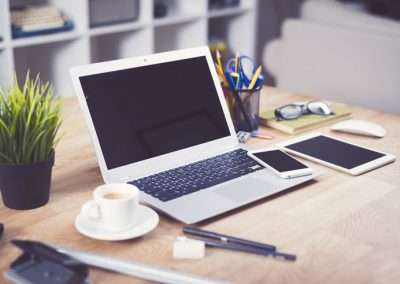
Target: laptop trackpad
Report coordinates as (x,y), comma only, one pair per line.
(245,189)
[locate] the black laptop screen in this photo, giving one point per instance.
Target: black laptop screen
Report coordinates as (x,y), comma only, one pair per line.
(148,111)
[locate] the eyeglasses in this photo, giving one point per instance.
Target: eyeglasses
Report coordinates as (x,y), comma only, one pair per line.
(293,111)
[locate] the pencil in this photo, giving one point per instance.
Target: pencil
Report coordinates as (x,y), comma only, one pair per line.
(255,78)
(220,69)
(219,62)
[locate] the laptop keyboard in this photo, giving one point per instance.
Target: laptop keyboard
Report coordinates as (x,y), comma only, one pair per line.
(188,179)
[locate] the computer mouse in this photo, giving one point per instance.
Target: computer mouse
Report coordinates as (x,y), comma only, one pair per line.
(360,127)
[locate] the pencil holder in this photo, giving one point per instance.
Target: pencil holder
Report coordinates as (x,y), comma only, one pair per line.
(244,107)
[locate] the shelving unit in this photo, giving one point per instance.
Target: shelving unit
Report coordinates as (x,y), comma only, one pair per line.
(228,12)
(188,23)
(177,19)
(118,28)
(37,40)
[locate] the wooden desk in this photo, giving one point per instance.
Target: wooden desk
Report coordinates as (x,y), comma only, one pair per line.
(344,229)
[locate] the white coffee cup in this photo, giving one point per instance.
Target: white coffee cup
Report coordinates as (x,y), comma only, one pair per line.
(113,206)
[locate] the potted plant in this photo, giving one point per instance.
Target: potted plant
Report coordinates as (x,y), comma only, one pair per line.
(30,118)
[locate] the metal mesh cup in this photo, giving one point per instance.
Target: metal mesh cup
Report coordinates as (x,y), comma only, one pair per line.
(244,106)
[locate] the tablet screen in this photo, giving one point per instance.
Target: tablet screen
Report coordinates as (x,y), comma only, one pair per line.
(336,152)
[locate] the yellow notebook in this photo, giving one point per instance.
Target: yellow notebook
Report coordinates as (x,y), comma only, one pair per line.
(305,122)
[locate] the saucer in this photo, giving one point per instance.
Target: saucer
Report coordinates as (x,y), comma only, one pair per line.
(146,219)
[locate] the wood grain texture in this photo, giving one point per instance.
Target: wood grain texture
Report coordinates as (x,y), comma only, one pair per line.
(344,229)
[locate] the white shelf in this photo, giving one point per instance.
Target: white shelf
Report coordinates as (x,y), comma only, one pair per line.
(118,28)
(216,13)
(188,23)
(176,19)
(121,45)
(44,39)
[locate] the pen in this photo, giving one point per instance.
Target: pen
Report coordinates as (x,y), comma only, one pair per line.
(250,249)
(227,239)
(255,77)
(239,79)
(237,57)
(230,80)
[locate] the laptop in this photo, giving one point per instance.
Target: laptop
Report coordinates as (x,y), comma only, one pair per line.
(161,122)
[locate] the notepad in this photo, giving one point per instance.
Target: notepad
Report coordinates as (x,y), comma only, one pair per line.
(305,122)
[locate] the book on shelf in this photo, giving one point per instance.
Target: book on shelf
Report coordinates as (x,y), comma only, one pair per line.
(305,122)
(37,20)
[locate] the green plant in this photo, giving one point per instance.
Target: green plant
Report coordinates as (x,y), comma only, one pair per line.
(29,121)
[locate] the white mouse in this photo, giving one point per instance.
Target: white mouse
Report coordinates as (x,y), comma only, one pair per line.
(360,127)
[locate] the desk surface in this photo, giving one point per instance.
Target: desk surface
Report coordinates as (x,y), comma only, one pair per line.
(344,229)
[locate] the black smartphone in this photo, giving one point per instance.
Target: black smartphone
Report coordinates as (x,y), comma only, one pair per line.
(280,163)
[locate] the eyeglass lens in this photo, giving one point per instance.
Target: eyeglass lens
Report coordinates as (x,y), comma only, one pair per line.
(290,111)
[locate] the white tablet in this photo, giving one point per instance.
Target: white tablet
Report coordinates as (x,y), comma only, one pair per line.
(336,153)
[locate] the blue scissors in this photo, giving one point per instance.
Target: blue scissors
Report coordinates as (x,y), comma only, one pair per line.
(243,72)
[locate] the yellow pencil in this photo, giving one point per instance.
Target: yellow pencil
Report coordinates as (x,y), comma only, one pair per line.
(221,75)
(255,78)
(219,70)
(219,62)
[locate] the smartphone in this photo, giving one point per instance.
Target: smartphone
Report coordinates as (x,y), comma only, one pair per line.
(280,163)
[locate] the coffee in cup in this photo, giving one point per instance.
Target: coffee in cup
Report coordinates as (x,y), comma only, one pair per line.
(116,195)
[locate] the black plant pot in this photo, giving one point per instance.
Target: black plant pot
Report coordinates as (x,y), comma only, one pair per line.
(26,186)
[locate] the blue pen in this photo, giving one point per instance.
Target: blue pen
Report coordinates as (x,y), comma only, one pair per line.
(259,81)
(231,82)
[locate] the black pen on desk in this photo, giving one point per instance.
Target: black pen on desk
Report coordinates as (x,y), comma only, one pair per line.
(227,239)
(249,249)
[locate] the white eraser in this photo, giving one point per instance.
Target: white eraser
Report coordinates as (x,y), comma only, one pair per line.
(184,248)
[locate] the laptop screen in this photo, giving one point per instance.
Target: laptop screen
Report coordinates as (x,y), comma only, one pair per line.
(148,111)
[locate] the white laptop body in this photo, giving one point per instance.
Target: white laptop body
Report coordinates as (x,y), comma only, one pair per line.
(104,103)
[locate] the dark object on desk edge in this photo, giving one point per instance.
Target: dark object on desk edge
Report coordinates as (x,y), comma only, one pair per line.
(237,244)
(40,263)
(31,188)
(1,229)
